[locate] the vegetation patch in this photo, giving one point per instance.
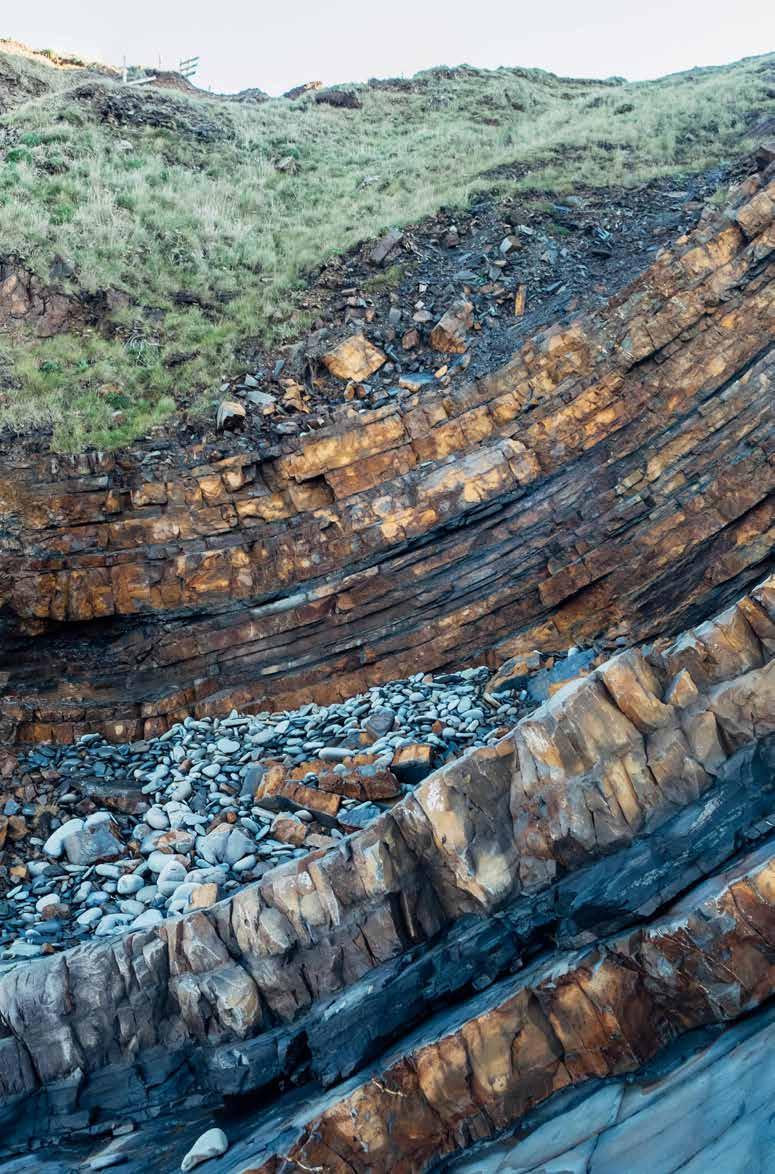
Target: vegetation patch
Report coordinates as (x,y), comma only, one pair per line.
(209,217)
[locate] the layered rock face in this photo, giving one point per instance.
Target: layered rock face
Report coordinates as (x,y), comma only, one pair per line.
(658,1119)
(600,1013)
(465,983)
(623,790)
(611,482)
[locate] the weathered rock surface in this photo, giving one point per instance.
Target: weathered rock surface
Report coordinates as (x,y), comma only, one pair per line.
(27,303)
(611,482)
(450,332)
(591,1015)
(355,358)
(661,1119)
(654,1119)
(600,806)
(440,988)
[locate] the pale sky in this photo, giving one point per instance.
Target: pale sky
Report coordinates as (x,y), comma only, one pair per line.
(274,44)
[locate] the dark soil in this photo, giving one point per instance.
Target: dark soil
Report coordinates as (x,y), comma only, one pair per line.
(132,106)
(568,254)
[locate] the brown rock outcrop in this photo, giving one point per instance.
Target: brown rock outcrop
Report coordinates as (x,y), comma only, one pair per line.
(612,481)
(27,303)
(605,760)
(599,1014)
(657,1119)
(354,358)
(24,300)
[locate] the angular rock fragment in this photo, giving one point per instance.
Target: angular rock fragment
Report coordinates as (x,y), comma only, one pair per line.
(411,764)
(355,358)
(13,827)
(276,792)
(230,415)
(765,154)
(418,381)
(385,246)
(449,335)
(362,815)
(92,843)
(358,778)
(305,88)
(204,895)
(515,672)
(289,831)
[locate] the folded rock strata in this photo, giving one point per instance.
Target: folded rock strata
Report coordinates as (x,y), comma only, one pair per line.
(612,481)
(493,849)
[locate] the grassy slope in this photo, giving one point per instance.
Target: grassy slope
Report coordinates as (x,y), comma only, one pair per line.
(154,212)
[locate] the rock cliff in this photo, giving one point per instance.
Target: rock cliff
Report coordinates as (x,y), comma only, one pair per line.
(611,482)
(548,947)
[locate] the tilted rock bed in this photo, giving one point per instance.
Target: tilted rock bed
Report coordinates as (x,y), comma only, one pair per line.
(575,250)
(470,1074)
(610,482)
(657,1119)
(654,1119)
(619,792)
(100,837)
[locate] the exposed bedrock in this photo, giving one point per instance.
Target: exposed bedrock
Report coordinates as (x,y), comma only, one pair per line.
(470,1074)
(614,796)
(611,482)
(703,1106)
(655,1119)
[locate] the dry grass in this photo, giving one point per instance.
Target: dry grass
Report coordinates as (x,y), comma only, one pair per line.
(201,208)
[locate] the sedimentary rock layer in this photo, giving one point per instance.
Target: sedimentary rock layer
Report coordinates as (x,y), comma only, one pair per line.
(596,1014)
(202,1002)
(655,1119)
(612,481)
(706,1111)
